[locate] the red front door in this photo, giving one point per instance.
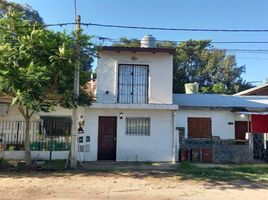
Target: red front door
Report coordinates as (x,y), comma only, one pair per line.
(107,138)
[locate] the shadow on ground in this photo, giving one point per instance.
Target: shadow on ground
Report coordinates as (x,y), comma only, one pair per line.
(211,176)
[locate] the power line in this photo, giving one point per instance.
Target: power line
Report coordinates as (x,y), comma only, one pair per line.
(252,58)
(180,41)
(157,28)
(178,29)
(233,50)
(239,42)
(162,28)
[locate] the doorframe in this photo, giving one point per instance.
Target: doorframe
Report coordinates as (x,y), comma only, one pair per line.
(115,117)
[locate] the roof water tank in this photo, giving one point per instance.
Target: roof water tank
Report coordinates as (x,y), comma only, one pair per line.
(148,41)
(191,88)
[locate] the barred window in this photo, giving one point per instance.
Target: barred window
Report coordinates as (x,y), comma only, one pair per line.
(133,84)
(138,126)
(56,126)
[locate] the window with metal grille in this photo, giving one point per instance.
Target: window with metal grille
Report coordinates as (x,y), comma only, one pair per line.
(133,84)
(56,126)
(138,126)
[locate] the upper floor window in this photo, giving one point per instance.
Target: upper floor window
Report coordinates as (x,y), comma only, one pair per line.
(133,84)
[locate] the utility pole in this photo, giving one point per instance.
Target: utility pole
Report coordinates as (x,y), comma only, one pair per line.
(74,142)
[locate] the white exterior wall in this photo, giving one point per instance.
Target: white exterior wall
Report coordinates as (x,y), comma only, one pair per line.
(15,115)
(239,117)
(160,75)
(219,120)
(156,147)
(38,155)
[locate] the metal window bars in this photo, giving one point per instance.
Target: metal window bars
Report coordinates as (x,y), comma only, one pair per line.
(12,135)
(133,84)
(138,126)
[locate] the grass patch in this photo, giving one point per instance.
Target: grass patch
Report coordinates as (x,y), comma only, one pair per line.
(256,173)
(3,163)
(57,165)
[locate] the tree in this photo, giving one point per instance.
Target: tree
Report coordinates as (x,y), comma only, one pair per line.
(213,69)
(37,67)
(27,12)
(197,61)
(124,42)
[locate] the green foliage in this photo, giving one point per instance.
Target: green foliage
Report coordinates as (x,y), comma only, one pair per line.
(37,65)
(213,69)
(124,42)
(57,165)
(223,173)
(26,11)
(2,163)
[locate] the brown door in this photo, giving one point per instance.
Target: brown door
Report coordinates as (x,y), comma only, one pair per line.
(107,138)
(199,127)
(241,128)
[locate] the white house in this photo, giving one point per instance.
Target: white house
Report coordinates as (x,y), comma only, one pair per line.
(133,118)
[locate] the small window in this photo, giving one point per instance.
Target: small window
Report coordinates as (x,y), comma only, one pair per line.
(138,126)
(199,127)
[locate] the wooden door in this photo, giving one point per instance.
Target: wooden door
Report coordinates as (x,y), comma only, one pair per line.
(107,138)
(241,128)
(199,127)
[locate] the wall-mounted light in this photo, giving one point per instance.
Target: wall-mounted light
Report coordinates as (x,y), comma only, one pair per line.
(242,115)
(121,115)
(134,58)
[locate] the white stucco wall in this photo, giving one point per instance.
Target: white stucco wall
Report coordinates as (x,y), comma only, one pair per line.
(35,155)
(219,119)
(15,115)
(240,117)
(160,75)
(156,147)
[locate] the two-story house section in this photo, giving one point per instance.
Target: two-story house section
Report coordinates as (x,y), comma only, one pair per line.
(133,118)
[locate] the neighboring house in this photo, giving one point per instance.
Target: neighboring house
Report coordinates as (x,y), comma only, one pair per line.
(213,128)
(257,94)
(224,116)
(261,90)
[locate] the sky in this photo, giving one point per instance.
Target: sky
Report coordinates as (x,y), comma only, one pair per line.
(211,14)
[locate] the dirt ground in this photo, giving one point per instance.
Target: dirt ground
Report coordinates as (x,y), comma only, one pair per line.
(150,183)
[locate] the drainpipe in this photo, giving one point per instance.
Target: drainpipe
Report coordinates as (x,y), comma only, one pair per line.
(174,148)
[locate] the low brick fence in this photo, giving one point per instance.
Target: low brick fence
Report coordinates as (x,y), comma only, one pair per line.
(217,151)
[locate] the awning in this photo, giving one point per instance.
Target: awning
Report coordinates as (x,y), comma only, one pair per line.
(252,113)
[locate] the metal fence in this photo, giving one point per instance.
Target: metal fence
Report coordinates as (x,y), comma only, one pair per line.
(12,135)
